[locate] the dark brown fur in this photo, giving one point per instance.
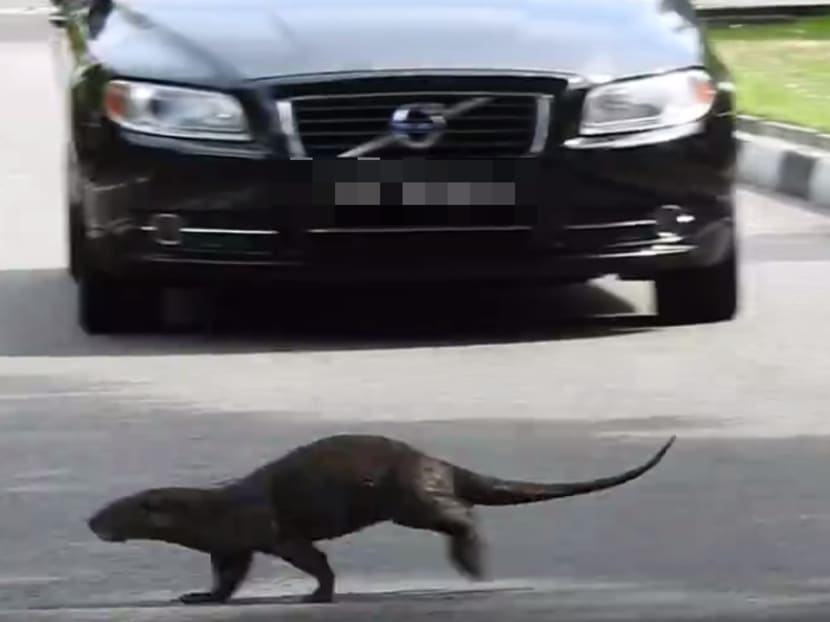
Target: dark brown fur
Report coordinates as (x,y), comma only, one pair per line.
(326,489)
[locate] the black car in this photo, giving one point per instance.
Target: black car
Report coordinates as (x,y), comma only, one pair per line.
(325,142)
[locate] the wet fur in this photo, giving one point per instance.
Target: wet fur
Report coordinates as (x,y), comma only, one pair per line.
(326,489)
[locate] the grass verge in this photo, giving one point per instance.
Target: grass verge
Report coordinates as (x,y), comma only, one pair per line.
(781,71)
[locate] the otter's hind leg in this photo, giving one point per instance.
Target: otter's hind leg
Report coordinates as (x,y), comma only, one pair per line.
(305,556)
(428,502)
(228,573)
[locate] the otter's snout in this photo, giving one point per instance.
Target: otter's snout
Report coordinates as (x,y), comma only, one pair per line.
(98,525)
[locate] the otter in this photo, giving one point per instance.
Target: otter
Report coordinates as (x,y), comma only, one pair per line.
(328,488)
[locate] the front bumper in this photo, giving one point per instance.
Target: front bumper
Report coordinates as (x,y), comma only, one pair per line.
(573,214)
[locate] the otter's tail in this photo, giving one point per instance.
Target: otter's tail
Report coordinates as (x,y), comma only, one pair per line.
(482,490)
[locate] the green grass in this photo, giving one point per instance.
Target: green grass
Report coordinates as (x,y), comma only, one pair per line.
(781,71)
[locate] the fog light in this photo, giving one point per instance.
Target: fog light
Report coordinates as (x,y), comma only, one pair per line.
(166,229)
(670,221)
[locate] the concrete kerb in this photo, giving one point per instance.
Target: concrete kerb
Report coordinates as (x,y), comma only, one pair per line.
(785,131)
(784,159)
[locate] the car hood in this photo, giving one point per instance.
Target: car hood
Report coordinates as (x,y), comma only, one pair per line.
(231,40)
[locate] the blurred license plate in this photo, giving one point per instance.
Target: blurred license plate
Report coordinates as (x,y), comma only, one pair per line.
(425,193)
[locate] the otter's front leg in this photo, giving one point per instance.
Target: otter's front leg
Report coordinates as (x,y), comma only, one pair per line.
(228,573)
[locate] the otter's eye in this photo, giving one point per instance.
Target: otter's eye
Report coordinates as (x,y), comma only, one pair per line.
(149,506)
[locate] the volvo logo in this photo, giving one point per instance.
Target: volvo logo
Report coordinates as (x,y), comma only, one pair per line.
(418,126)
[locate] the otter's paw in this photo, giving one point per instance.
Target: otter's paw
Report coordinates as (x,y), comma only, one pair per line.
(200,598)
(319,596)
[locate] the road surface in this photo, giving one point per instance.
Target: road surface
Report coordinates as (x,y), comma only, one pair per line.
(558,384)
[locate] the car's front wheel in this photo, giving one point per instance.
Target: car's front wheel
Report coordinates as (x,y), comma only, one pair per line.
(699,295)
(109,306)
(74,242)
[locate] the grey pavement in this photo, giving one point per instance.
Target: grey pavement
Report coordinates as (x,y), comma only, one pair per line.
(553,384)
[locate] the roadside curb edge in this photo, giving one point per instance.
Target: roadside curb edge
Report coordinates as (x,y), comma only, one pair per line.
(785,167)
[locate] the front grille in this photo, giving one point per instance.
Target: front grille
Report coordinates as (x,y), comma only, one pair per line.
(504,126)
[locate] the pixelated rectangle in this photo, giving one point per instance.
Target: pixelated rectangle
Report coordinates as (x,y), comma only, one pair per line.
(357,193)
(458,193)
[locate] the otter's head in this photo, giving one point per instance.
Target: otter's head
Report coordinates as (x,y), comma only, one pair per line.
(153,514)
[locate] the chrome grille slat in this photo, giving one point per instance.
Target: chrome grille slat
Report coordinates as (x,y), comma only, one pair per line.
(468,146)
(486,132)
(451,132)
(460,121)
(503,124)
(307,108)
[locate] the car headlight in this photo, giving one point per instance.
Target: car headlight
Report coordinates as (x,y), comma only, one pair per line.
(175,111)
(648,103)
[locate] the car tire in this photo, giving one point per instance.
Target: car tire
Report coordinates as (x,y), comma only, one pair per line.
(699,295)
(75,242)
(75,233)
(107,306)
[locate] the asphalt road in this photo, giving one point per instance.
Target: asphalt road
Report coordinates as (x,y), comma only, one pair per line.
(555,384)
